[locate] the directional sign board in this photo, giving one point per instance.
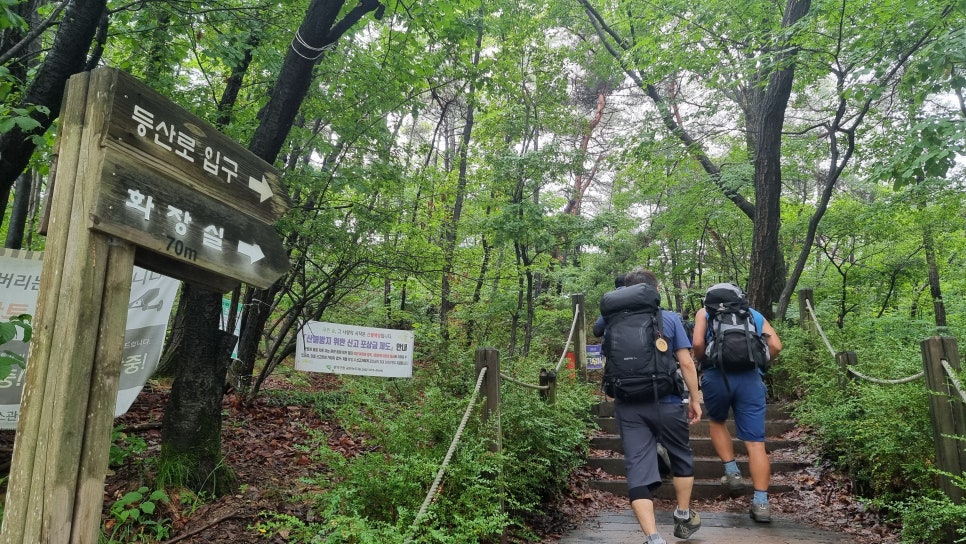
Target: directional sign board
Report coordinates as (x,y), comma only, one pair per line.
(144,121)
(191,197)
(166,217)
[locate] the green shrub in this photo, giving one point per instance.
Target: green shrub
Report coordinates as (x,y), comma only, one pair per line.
(16,328)
(931,518)
(880,434)
(135,519)
(405,429)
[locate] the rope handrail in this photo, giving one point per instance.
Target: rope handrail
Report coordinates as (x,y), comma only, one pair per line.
(852,371)
(523,384)
(570,337)
(449,455)
(808,304)
(951,372)
(907,379)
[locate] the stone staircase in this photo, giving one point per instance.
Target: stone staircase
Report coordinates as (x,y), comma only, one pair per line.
(607,454)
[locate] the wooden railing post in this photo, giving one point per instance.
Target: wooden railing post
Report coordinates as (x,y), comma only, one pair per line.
(805,298)
(548,379)
(846,360)
(490,359)
(948,412)
(580,342)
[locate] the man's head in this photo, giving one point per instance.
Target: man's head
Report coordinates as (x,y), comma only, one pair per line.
(639,275)
(619,281)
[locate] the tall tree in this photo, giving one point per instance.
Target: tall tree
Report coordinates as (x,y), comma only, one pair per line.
(66,57)
(192,423)
(761,89)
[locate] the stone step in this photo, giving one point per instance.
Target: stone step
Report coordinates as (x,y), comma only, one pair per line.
(774,428)
(700,444)
(703,488)
(704,467)
(772,411)
(607,455)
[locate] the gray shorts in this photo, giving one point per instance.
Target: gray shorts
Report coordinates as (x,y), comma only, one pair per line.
(641,426)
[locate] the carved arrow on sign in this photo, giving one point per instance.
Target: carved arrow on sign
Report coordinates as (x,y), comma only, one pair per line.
(252,250)
(262,187)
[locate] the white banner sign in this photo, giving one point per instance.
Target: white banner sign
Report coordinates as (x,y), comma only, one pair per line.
(348,349)
(152,298)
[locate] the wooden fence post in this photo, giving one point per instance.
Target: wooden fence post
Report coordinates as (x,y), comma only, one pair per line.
(548,379)
(948,411)
(490,359)
(846,360)
(580,343)
(805,298)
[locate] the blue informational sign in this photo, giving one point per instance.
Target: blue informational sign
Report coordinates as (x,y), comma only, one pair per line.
(595,358)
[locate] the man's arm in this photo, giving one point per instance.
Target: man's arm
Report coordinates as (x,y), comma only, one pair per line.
(774,342)
(698,342)
(690,374)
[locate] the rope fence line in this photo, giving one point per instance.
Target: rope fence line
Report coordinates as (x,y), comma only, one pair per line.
(570,337)
(818,325)
(951,373)
(907,379)
(449,455)
(518,382)
(850,370)
(469,410)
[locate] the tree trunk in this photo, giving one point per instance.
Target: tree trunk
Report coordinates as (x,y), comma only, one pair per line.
(318,30)
(935,290)
(450,238)
(191,429)
(767,273)
(65,58)
(19,213)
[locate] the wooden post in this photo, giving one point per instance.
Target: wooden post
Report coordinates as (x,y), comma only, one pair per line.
(489,358)
(111,169)
(60,457)
(948,412)
(804,317)
(846,360)
(548,379)
(580,342)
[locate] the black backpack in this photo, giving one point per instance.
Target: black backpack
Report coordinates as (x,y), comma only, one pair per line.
(640,365)
(735,343)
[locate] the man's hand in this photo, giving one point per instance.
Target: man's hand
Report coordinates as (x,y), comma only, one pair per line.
(694,412)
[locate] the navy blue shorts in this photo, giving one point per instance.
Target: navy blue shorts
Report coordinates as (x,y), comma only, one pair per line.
(641,426)
(746,399)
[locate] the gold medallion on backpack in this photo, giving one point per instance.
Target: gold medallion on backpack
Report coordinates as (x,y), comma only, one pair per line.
(660,344)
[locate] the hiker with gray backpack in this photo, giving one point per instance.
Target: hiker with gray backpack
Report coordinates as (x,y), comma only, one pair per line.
(734,345)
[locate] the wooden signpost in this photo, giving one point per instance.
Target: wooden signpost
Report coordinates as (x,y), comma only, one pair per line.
(137,180)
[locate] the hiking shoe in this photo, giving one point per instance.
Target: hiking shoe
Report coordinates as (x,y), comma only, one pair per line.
(761,512)
(684,528)
(733,484)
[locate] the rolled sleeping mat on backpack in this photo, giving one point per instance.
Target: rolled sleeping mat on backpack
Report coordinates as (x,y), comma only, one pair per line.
(633,298)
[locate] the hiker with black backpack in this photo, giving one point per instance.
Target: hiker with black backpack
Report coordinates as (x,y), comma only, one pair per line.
(734,344)
(644,347)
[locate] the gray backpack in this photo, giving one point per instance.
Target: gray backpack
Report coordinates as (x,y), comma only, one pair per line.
(735,343)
